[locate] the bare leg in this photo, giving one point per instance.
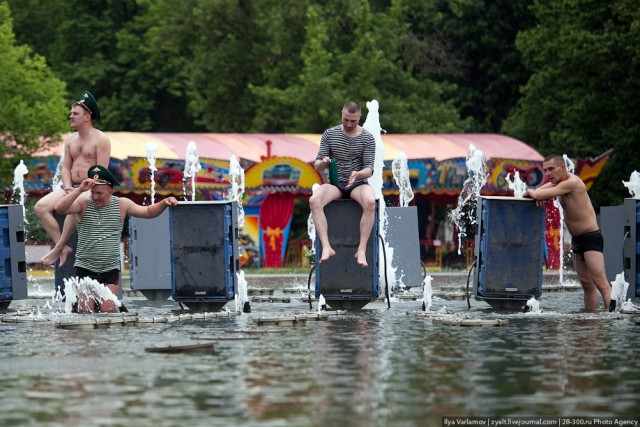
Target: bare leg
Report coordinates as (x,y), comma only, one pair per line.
(593,279)
(365,196)
(320,198)
(61,249)
(595,264)
(44,211)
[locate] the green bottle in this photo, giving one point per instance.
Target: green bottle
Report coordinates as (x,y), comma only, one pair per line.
(333,173)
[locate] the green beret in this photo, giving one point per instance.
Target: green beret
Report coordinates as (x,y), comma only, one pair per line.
(89,104)
(102,176)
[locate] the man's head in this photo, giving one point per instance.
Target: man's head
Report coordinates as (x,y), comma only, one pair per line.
(351,116)
(554,168)
(83,110)
(104,180)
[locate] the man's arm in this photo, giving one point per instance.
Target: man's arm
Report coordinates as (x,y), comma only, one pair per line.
(103,151)
(133,209)
(69,204)
(67,162)
(547,191)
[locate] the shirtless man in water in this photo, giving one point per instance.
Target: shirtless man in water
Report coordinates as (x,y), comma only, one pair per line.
(86,147)
(586,243)
(353,148)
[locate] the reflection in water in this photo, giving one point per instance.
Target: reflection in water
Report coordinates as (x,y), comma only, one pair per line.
(367,368)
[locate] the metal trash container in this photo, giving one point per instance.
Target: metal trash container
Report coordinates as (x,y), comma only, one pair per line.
(509,251)
(341,281)
(631,246)
(150,257)
(13,270)
(204,253)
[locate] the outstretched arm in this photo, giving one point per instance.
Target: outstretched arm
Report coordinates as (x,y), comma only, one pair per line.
(133,209)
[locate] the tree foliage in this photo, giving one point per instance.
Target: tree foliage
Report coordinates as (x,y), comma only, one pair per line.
(562,73)
(582,97)
(32,101)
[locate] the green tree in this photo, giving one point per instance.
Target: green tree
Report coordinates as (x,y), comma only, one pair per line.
(473,45)
(79,40)
(152,79)
(33,109)
(351,51)
(582,97)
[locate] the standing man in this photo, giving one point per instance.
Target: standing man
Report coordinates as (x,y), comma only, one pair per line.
(586,242)
(353,149)
(99,220)
(87,146)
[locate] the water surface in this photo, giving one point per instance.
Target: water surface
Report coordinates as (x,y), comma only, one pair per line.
(374,367)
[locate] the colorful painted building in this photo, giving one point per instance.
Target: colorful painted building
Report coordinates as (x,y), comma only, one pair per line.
(279,169)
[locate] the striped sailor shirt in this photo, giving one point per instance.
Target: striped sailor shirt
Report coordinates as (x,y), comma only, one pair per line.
(99,233)
(350,153)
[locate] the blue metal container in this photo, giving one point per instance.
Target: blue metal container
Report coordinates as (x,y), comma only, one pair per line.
(341,281)
(204,253)
(631,246)
(13,276)
(509,251)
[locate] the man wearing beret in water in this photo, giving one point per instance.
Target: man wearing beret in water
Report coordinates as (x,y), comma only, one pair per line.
(88,146)
(99,220)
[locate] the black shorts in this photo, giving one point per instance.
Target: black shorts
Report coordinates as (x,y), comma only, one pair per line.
(586,242)
(345,193)
(111,277)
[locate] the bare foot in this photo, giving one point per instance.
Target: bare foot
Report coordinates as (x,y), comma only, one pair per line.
(327,253)
(66,251)
(52,256)
(362,259)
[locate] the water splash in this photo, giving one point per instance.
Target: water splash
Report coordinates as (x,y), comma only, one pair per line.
(56,182)
(464,213)
(516,184)
(619,289)
(633,184)
(427,293)
(372,125)
(18,183)
(241,297)
(191,167)
(556,202)
(151,148)
(568,163)
(322,303)
(236,174)
(76,290)
(400,172)
(311,227)
(533,306)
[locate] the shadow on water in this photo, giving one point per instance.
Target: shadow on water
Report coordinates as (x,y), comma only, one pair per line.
(376,366)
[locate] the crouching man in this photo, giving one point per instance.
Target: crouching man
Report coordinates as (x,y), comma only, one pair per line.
(99,221)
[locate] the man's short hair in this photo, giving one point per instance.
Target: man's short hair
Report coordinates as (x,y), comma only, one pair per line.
(352,107)
(556,158)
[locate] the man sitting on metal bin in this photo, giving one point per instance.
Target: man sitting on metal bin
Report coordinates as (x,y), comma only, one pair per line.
(353,149)
(99,221)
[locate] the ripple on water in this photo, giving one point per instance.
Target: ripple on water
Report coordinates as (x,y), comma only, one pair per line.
(378,366)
